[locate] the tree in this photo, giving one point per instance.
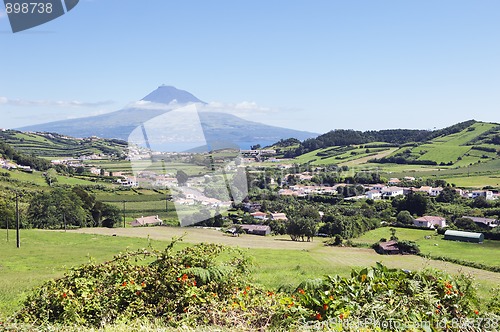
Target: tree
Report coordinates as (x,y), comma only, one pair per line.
(447,195)
(7,213)
(300,228)
(415,203)
(255,147)
(51,176)
(404,217)
(466,224)
(393,234)
(181,177)
(56,208)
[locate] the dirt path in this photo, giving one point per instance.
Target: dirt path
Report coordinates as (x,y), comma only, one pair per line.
(197,235)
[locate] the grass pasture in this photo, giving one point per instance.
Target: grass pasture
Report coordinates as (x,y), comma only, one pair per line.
(487,253)
(278,261)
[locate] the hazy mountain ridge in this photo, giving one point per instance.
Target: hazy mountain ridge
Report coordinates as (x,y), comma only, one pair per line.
(216,126)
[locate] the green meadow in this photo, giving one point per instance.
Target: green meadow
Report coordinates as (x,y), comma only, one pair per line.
(278,262)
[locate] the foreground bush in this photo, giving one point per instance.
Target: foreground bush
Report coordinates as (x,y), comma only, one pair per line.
(207,285)
(392,300)
(187,287)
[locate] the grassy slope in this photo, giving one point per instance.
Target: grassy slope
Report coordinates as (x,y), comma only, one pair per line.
(278,261)
(55,146)
(487,253)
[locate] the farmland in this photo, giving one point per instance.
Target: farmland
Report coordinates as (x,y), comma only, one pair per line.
(47,254)
(457,155)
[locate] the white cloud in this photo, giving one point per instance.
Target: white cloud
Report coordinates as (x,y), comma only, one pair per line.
(242,109)
(52,103)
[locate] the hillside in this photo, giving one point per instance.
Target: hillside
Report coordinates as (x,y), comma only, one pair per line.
(466,154)
(457,144)
(56,145)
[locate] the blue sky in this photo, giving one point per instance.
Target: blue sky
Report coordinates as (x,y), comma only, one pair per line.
(310,65)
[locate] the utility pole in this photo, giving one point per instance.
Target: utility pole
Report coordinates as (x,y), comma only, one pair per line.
(18,239)
(123,213)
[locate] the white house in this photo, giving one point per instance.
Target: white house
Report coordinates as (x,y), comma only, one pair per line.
(392,191)
(430,222)
(435,191)
(259,215)
(373,194)
(485,193)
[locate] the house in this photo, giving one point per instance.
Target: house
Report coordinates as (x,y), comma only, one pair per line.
(128,181)
(278,216)
(485,193)
(430,222)
(409,178)
(463,236)
(393,181)
(373,194)
(392,192)
(378,187)
(259,215)
(480,221)
(435,191)
(147,221)
(424,189)
(388,248)
(256,229)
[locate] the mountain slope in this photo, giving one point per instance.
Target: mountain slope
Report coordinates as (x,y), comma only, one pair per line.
(216,126)
(166,94)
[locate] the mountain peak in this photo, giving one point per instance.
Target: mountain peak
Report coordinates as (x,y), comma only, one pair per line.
(165,94)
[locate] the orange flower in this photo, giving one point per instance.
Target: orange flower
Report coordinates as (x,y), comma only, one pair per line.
(124,284)
(131,282)
(138,293)
(64,295)
(331,297)
(290,305)
(143,285)
(184,277)
(341,316)
(363,278)
(325,306)
(476,312)
(194,283)
(270,293)
(318,316)
(301,291)
(439,306)
(245,292)
(437,311)
(247,288)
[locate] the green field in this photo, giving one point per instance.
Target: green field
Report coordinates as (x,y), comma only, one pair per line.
(278,262)
(487,253)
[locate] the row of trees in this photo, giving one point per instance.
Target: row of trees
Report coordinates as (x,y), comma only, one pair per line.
(59,208)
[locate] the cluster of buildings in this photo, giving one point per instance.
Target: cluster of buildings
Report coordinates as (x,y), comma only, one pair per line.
(9,165)
(379,191)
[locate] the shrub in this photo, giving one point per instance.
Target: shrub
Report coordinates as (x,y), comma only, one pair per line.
(191,287)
